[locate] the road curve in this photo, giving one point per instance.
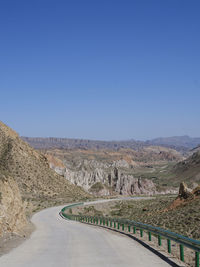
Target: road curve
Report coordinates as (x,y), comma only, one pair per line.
(62,243)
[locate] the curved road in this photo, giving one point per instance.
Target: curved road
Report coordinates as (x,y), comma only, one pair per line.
(60,243)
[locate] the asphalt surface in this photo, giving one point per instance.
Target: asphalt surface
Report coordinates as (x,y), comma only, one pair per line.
(61,243)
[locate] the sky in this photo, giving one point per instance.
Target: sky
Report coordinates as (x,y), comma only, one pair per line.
(100,69)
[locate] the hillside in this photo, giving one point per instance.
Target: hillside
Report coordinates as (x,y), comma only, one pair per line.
(25,173)
(12,209)
(179,214)
(189,169)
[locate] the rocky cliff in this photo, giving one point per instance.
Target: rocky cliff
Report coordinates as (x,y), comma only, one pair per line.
(110,172)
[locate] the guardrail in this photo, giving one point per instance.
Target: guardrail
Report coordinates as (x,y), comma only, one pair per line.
(120,224)
(66,216)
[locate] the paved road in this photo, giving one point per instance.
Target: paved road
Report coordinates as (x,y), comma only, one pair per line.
(61,243)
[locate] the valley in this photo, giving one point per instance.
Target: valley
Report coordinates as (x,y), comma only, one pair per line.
(34,179)
(124,172)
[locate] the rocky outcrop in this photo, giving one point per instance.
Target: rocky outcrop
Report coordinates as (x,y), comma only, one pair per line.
(112,176)
(128,185)
(184,191)
(185,196)
(12,214)
(187,193)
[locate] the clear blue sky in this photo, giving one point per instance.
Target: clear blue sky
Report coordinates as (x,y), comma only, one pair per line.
(100,69)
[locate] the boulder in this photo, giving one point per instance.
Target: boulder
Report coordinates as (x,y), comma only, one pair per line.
(184,191)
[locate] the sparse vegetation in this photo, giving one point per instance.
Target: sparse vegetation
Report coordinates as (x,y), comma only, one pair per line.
(184,219)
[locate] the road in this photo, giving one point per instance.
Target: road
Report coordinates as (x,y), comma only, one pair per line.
(60,243)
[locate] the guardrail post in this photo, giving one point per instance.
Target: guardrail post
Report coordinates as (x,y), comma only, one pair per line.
(134,229)
(169,246)
(159,240)
(104,222)
(122,227)
(114,224)
(110,223)
(107,222)
(118,225)
(129,228)
(196,259)
(149,236)
(141,233)
(181,252)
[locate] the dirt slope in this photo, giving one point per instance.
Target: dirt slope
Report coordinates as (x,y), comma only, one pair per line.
(30,170)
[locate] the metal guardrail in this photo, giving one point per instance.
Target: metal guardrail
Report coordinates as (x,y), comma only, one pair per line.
(121,223)
(62,212)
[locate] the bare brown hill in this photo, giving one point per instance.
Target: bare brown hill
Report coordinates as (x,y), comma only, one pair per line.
(188,170)
(30,170)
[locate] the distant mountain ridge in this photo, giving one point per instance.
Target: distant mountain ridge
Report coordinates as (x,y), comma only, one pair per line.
(180,143)
(177,141)
(67,143)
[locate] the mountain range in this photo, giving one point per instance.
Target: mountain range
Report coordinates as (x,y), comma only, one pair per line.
(180,143)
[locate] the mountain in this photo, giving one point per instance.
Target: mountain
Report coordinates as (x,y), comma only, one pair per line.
(27,180)
(67,143)
(176,142)
(180,143)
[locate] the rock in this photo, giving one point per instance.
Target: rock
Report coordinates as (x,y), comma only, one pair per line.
(184,191)
(87,173)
